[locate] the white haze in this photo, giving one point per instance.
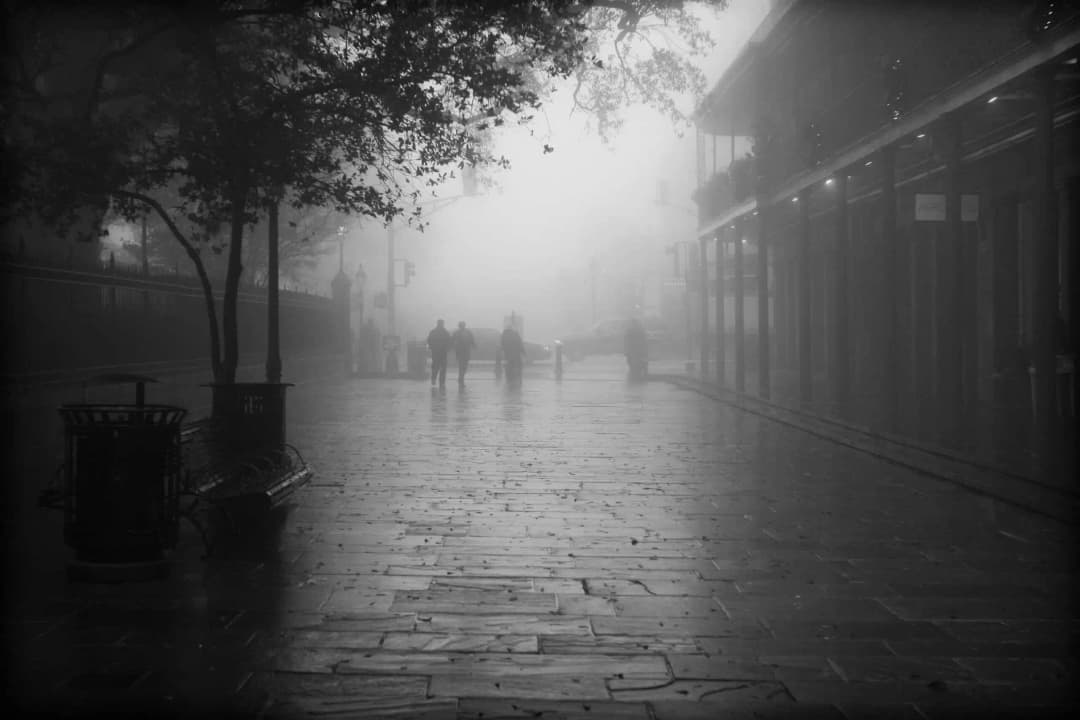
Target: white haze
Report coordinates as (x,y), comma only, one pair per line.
(529,246)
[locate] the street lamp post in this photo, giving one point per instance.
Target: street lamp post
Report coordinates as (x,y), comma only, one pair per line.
(593,264)
(685,244)
(662,199)
(273,337)
(673,250)
(390,280)
(342,290)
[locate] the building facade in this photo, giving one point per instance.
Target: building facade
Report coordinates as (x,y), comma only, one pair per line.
(912,201)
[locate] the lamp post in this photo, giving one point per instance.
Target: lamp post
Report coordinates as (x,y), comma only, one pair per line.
(673,249)
(273,315)
(341,288)
(142,242)
(438,204)
(593,265)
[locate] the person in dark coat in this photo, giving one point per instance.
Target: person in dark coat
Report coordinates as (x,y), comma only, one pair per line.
(636,348)
(438,341)
(513,350)
(464,342)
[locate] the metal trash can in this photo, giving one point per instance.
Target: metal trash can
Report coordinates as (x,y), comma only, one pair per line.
(122,468)
(416,357)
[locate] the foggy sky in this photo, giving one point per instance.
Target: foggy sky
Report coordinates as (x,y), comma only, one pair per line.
(527,245)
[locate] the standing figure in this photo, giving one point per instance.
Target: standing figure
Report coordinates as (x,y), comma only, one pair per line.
(513,350)
(463,344)
(637,350)
(438,341)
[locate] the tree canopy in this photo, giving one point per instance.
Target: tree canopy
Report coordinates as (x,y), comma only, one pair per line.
(356,107)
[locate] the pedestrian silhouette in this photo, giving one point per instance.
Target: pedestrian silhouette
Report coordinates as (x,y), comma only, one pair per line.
(438,341)
(513,350)
(636,349)
(463,342)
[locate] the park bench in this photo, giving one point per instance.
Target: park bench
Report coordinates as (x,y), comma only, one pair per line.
(221,474)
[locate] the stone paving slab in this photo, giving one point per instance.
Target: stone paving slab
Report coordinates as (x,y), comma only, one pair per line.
(581,549)
(488,709)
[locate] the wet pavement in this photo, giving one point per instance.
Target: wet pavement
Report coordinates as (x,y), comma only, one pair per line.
(578,549)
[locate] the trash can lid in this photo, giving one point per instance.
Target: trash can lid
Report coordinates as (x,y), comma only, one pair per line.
(115,378)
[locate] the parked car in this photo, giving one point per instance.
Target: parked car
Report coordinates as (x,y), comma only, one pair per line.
(487,341)
(608,337)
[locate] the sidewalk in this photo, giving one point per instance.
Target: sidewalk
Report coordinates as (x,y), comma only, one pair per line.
(580,549)
(1053,496)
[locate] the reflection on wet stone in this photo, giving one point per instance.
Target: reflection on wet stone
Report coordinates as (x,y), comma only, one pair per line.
(546,574)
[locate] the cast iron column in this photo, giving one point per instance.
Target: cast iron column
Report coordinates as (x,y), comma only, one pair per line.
(740,364)
(764,384)
(888,283)
(703,250)
(951,323)
(1073,329)
(806,390)
(721,360)
(841,367)
(781,265)
(1045,270)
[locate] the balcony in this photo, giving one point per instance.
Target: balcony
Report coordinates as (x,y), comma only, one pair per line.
(727,188)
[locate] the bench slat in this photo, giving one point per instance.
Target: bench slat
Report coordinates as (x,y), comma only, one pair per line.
(216,473)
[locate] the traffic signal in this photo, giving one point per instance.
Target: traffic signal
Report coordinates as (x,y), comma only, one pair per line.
(410,270)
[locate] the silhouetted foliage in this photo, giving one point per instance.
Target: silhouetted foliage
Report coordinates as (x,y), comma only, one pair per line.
(207,113)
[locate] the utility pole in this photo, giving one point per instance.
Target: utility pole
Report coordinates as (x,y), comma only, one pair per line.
(685,244)
(273,343)
(145,258)
(592,285)
(342,290)
(390,280)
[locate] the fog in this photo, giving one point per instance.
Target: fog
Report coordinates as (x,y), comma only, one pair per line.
(564,238)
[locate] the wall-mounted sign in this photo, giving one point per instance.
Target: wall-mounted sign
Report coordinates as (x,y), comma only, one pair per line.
(930,207)
(933,207)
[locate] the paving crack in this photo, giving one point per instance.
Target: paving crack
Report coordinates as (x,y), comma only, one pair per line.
(638,582)
(717,691)
(837,669)
(661,686)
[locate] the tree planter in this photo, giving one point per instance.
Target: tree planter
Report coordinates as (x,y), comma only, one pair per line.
(253,414)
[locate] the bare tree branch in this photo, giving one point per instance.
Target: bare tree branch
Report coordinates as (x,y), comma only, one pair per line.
(200,270)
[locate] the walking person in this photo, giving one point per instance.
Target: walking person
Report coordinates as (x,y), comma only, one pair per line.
(636,348)
(438,341)
(513,350)
(463,342)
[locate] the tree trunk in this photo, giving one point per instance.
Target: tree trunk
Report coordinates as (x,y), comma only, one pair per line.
(273,321)
(230,328)
(200,270)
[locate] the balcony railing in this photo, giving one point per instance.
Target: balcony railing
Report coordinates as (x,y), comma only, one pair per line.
(725,189)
